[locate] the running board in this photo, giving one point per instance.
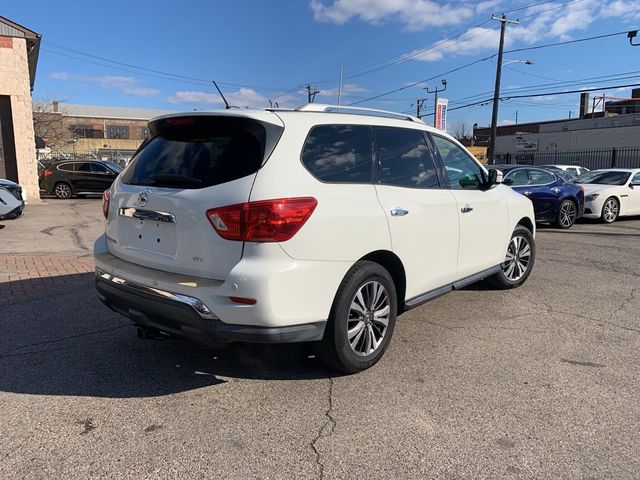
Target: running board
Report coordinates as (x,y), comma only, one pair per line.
(438,292)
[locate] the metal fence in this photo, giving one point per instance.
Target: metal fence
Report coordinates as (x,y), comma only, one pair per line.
(117,155)
(614,157)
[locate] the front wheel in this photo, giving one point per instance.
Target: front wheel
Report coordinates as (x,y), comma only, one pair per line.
(362,319)
(518,261)
(610,210)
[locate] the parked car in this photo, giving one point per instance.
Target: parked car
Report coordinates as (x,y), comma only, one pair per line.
(66,178)
(611,193)
(555,200)
(12,199)
(302,226)
(575,170)
(563,174)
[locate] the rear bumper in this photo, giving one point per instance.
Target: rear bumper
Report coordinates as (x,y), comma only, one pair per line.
(188,318)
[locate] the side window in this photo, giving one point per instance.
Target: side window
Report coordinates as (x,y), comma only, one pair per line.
(540,177)
(404,158)
(83,167)
(518,177)
(339,153)
(98,168)
(462,170)
(636,178)
(67,167)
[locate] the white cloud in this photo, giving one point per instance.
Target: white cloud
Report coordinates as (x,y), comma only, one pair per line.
(539,23)
(245,97)
(347,89)
(414,14)
(60,75)
(142,91)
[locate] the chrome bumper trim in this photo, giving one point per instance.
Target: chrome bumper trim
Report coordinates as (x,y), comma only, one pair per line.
(199,307)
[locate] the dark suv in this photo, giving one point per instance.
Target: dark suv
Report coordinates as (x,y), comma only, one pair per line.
(78,177)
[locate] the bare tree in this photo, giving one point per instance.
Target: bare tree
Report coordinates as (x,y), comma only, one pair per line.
(462,132)
(47,122)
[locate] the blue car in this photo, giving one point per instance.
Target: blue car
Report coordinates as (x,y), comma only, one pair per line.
(555,199)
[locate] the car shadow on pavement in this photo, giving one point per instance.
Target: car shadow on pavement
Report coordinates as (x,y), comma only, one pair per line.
(66,342)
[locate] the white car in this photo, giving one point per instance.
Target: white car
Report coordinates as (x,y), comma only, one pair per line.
(302,225)
(611,193)
(12,199)
(574,170)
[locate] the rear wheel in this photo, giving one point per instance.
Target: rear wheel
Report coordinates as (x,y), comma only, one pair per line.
(610,210)
(362,319)
(567,214)
(518,261)
(62,190)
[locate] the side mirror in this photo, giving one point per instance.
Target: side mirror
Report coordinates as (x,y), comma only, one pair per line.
(634,184)
(494,177)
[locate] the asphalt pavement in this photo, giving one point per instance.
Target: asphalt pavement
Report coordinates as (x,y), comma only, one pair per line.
(538,382)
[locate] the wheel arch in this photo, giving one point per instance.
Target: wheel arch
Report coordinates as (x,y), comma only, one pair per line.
(527,223)
(392,263)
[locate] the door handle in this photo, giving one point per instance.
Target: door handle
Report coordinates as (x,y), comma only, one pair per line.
(398,212)
(466,209)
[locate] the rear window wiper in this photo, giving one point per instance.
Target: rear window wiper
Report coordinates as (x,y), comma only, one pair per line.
(174,179)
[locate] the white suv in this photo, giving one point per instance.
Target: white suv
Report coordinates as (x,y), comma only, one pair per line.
(305,225)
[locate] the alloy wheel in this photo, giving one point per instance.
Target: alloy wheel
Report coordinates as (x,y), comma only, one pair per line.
(610,210)
(518,258)
(62,190)
(368,320)
(568,213)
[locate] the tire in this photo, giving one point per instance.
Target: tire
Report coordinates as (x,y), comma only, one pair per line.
(62,190)
(355,350)
(567,214)
(516,258)
(610,210)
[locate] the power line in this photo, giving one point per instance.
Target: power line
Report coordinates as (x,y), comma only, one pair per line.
(535,47)
(144,69)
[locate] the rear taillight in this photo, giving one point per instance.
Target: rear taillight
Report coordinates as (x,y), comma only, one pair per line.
(106,199)
(263,221)
(47,173)
(581,188)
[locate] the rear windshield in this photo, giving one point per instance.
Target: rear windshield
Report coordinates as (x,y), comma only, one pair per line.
(198,152)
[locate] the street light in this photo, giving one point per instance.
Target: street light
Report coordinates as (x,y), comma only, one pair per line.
(631,35)
(509,62)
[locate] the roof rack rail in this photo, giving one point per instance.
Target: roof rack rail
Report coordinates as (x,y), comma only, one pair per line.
(319,107)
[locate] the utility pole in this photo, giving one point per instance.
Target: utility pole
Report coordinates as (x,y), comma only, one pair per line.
(496,92)
(311,95)
(340,84)
(419,104)
(435,99)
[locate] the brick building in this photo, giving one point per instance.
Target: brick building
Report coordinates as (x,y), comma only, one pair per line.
(78,130)
(19,48)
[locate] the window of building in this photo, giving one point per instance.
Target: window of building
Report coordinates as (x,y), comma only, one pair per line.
(82,131)
(144,132)
(405,160)
(118,132)
(339,153)
(463,171)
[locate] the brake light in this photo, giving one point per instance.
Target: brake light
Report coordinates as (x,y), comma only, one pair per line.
(179,121)
(106,200)
(275,220)
(581,188)
(47,173)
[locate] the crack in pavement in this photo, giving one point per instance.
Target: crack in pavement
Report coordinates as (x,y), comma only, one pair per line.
(49,342)
(330,423)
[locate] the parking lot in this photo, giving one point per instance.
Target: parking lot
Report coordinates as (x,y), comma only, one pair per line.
(538,382)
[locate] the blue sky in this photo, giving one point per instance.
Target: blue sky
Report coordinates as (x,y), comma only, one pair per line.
(261,50)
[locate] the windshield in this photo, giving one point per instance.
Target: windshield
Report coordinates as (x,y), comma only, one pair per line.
(604,178)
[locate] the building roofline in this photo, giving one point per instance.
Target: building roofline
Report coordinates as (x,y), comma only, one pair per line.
(33,47)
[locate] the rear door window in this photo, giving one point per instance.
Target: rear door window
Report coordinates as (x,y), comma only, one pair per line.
(339,153)
(404,158)
(198,152)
